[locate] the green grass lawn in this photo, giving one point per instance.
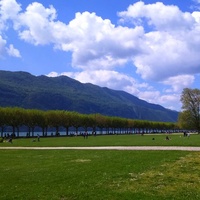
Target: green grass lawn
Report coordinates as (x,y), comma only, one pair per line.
(100,174)
(110,140)
(86,174)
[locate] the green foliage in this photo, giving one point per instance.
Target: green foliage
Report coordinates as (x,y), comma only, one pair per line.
(1,140)
(21,89)
(190,116)
(185,121)
(17,117)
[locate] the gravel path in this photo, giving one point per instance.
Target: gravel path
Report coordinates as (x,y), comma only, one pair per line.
(169,148)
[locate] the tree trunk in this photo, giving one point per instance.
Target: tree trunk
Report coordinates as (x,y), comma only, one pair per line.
(67,130)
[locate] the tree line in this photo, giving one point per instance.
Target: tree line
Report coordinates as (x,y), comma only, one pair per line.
(16,118)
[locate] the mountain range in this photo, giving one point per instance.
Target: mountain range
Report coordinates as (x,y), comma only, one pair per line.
(22,89)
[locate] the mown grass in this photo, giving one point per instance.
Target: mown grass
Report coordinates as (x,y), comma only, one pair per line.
(94,175)
(101,174)
(110,140)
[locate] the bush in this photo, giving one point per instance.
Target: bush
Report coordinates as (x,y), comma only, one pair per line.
(1,140)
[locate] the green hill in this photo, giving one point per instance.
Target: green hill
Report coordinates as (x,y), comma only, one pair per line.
(63,93)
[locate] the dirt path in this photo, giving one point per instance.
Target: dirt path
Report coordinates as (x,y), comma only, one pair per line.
(169,148)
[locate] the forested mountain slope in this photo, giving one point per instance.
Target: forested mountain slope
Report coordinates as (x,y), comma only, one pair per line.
(22,89)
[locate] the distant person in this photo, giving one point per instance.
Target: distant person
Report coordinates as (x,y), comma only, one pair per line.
(38,137)
(184,133)
(10,140)
(85,135)
(167,138)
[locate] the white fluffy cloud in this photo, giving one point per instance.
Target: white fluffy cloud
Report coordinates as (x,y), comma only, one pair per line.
(158,15)
(99,44)
(9,10)
(160,41)
(35,24)
(95,43)
(171,48)
(173,43)
(13,52)
(10,50)
(179,82)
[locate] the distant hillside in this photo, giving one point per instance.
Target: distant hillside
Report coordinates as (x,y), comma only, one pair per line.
(63,93)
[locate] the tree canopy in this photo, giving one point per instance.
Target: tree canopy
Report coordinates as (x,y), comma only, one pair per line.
(31,118)
(190,115)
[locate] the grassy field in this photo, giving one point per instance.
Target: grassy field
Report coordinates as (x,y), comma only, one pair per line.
(110,140)
(100,174)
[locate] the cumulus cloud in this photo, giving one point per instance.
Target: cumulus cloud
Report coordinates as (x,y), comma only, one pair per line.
(94,42)
(160,42)
(99,44)
(168,46)
(13,52)
(177,83)
(173,43)
(9,9)
(8,50)
(161,17)
(35,24)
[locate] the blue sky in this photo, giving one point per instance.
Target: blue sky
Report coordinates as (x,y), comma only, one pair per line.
(147,48)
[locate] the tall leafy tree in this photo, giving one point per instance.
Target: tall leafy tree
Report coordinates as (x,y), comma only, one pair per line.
(54,119)
(76,121)
(100,121)
(3,119)
(190,99)
(66,118)
(30,121)
(15,118)
(40,120)
(185,121)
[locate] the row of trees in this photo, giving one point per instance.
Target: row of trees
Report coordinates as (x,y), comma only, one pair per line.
(189,118)
(16,118)
(31,118)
